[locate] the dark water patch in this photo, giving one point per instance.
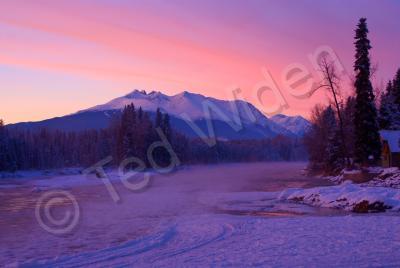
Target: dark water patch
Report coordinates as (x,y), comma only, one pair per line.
(281,209)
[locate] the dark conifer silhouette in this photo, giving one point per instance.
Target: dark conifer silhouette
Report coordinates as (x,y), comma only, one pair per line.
(367,142)
(389,110)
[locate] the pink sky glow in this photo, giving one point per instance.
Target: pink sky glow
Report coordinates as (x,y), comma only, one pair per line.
(58,57)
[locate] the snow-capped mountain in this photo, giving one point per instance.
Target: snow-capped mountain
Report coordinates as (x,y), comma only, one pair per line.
(186,104)
(190,114)
(295,124)
(193,106)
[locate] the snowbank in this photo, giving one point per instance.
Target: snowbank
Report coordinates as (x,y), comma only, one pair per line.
(344,175)
(389,177)
(347,196)
(381,177)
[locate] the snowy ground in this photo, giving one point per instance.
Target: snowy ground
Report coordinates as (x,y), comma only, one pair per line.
(347,196)
(199,216)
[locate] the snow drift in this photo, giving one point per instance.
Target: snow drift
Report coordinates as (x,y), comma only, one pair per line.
(347,196)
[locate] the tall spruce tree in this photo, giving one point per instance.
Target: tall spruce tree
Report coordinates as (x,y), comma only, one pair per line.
(127,143)
(367,142)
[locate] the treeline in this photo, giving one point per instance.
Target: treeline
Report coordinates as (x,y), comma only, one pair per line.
(131,134)
(324,146)
(389,108)
(279,148)
(363,115)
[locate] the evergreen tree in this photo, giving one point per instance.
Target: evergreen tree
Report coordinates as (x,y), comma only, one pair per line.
(140,114)
(127,137)
(162,155)
(396,87)
(8,150)
(389,112)
(367,141)
(348,123)
(384,118)
(333,157)
(323,142)
(3,147)
(159,119)
(166,127)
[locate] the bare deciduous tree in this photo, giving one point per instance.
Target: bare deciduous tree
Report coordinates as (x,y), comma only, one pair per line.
(331,81)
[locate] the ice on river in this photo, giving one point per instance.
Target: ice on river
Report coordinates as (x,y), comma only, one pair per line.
(199,216)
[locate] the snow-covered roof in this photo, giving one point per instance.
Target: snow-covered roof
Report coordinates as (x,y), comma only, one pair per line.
(393,139)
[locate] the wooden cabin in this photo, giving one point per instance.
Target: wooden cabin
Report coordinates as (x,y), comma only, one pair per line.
(390,148)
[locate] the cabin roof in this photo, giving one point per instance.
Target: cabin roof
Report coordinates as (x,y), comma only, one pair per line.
(393,139)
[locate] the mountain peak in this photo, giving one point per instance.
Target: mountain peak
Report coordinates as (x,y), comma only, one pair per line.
(189,95)
(296,124)
(183,94)
(135,93)
(154,92)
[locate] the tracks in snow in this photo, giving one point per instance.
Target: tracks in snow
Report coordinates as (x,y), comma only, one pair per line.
(170,241)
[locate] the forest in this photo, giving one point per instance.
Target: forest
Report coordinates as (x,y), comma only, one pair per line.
(130,135)
(345,133)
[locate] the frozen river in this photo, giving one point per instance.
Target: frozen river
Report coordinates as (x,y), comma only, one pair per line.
(198,216)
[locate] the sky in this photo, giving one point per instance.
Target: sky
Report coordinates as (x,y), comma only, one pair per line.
(58,57)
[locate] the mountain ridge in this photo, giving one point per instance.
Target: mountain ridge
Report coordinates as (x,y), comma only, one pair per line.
(227,116)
